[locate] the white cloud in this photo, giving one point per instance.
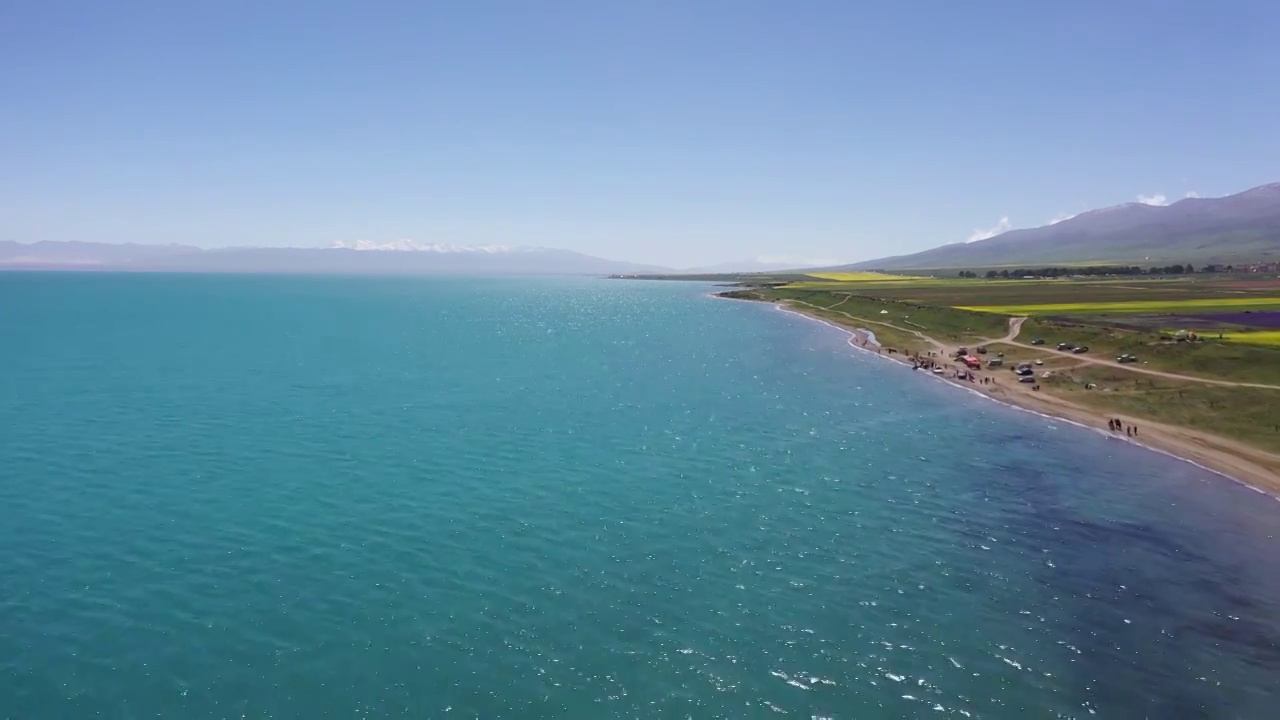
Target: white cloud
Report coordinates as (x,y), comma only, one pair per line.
(1001,227)
(1193,194)
(1157,199)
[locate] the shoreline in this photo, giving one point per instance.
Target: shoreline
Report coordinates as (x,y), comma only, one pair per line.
(1241,464)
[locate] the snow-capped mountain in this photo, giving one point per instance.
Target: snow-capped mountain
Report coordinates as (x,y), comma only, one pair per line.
(1240,228)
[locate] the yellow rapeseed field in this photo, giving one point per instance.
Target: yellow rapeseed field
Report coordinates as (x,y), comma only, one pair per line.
(1259,337)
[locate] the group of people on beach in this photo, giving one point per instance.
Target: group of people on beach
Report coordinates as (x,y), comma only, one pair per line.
(923,362)
(1116,425)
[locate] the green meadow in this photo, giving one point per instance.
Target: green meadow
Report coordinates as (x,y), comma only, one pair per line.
(1133,307)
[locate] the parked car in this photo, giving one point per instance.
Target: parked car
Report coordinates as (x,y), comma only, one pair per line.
(1080,350)
(1126,358)
(1038,341)
(1027,379)
(1066,346)
(982,349)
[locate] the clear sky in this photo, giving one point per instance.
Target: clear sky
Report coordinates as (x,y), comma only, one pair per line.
(680,133)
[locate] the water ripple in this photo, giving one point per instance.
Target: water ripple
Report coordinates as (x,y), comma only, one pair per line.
(405,498)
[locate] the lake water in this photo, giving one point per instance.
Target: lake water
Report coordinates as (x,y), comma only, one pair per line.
(298,497)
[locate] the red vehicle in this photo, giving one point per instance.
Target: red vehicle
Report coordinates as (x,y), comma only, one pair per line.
(973,362)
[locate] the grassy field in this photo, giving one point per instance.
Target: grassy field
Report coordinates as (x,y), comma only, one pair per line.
(956,292)
(1134,307)
(819,304)
(1111,316)
(889,337)
(1269,338)
(1247,414)
(943,323)
(1210,358)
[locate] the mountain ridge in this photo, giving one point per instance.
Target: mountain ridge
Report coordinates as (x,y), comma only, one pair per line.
(1233,228)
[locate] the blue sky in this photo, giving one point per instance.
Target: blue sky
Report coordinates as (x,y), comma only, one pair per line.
(680,133)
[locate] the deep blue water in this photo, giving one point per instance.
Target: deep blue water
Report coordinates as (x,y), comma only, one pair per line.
(275,497)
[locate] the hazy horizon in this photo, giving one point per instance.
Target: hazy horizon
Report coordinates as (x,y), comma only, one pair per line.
(666,135)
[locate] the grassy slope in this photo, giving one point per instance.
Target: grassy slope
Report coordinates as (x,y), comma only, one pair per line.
(1224,249)
(943,323)
(1150,242)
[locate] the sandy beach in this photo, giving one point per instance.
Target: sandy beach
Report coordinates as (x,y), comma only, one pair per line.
(1242,463)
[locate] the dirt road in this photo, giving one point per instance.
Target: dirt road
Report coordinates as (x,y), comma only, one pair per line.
(1015,327)
(939,346)
(1011,338)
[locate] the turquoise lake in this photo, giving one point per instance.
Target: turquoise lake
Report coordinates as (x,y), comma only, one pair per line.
(307,497)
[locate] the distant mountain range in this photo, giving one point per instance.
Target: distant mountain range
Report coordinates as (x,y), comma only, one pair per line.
(1241,228)
(759,265)
(1234,229)
(404,257)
